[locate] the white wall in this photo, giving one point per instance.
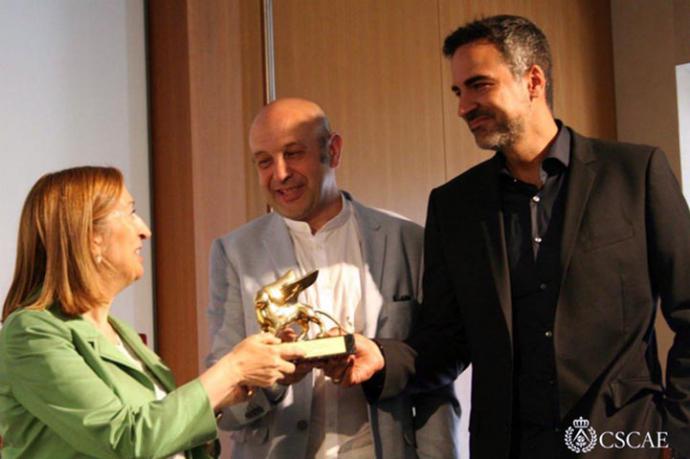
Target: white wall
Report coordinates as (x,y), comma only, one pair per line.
(73,92)
(683,91)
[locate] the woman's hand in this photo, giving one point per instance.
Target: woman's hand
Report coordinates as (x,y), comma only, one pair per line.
(237,394)
(257,361)
(288,335)
(261,360)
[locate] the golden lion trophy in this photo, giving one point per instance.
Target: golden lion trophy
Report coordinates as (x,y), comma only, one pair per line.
(277,309)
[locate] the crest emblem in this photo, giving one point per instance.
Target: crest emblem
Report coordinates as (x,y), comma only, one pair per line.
(580,437)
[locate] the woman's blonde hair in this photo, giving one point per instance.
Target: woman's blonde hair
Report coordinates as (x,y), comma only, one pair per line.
(55,263)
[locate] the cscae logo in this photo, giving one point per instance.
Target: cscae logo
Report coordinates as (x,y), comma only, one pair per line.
(580,437)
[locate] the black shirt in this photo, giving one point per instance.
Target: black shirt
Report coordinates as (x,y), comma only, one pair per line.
(533,221)
(529,223)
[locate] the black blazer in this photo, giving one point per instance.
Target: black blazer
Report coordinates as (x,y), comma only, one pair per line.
(625,244)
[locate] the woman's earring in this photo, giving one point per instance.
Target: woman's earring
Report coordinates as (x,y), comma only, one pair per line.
(99,259)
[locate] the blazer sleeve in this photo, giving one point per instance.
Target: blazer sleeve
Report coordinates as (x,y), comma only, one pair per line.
(226,326)
(53,382)
(225,312)
(436,351)
(668,245)
(439,334)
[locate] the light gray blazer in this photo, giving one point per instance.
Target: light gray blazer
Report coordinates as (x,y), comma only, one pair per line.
(275,424)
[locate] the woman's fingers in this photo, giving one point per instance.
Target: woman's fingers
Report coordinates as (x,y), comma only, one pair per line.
(290,351)
(267,338)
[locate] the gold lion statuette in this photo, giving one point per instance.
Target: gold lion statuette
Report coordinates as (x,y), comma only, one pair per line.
(277,307)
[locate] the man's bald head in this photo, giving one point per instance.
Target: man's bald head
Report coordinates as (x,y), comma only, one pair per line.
(296,155)
(292,113)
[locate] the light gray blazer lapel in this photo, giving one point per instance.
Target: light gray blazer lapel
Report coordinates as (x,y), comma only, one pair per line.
(278,245)
(373,240)
(387,418)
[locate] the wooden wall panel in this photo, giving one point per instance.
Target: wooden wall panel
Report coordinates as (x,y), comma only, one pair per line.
(579,33)
(374,66)
(252,92)
(205,85)
(172,225)
(647,100)
(681,29)
(223,90)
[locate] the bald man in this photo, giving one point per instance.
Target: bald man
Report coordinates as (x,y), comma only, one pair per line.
(369,266)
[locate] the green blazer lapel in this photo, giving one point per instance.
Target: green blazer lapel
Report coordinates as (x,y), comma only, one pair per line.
(101,350)
(107,351)
(101,346)
(151,361)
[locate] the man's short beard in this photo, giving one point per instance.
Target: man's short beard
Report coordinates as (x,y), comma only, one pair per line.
(505,135)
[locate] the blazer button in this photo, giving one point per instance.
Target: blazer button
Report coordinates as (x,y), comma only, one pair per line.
(302,424)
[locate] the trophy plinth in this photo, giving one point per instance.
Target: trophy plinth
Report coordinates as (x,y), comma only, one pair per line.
(277,309)
(328,347)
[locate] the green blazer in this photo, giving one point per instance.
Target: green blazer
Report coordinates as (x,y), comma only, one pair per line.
(67,392)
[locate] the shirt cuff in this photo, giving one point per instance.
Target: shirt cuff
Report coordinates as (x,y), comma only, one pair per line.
(374,386)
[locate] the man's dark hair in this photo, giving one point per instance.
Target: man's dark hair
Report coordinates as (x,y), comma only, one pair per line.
(519,41)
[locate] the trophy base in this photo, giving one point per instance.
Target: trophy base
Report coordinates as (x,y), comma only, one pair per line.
(326,348)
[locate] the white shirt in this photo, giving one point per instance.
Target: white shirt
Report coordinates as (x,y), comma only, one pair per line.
(339,415)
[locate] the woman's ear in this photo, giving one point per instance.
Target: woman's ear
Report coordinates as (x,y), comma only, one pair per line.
(97,243)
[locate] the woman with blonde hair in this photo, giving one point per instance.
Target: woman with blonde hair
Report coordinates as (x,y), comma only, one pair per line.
(76,382)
